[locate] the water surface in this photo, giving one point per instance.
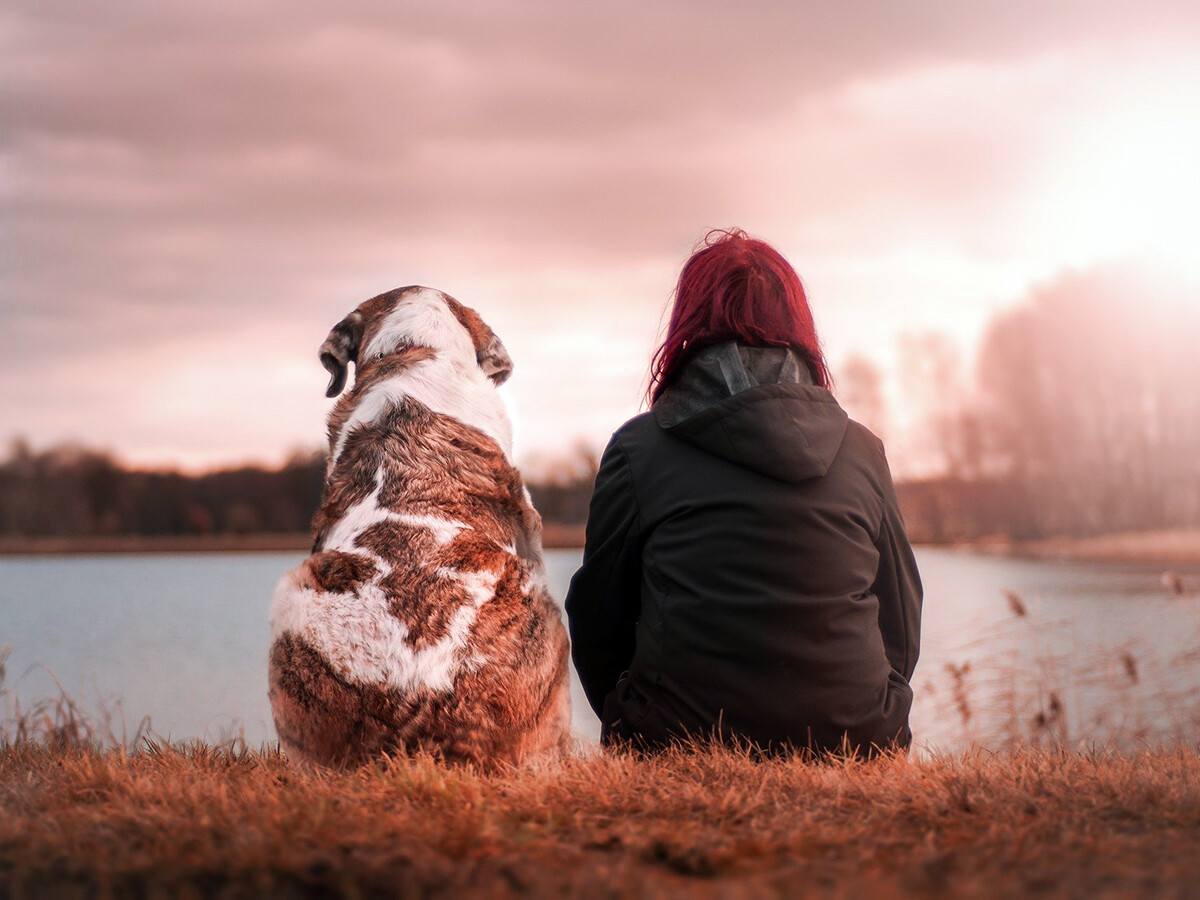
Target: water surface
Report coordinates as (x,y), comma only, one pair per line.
(183,639)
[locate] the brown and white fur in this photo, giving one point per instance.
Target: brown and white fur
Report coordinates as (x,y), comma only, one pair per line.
(421,621)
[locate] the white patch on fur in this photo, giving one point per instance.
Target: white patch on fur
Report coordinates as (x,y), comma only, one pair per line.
(357,633)
(443,530)
(450,384)
(368,512)
(422,318)
(359,518)
(480,586)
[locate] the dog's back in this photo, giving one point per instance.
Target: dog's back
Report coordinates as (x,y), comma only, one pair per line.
(422,619)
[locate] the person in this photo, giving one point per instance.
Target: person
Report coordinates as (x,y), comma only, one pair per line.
(746,575)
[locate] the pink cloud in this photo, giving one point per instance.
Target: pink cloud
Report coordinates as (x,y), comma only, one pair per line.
(192,196)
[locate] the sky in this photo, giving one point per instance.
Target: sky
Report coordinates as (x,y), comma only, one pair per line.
(191,195)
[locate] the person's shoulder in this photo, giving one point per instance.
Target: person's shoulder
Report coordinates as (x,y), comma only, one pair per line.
(637,438)
(862,439)
(636,430)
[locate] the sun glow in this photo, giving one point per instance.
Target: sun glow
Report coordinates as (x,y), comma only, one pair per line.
(1128,183)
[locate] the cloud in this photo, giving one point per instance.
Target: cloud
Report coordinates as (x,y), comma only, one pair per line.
(235,177)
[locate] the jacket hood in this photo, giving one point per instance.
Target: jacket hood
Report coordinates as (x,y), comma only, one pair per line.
(757,407)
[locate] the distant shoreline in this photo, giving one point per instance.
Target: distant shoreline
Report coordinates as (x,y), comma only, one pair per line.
(555,537)
(1178,547)
(135,543)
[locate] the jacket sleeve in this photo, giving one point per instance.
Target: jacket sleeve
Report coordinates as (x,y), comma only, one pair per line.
(604,599)
(897,585)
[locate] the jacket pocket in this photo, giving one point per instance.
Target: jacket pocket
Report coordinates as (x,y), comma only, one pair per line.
(625,708)
(897,706)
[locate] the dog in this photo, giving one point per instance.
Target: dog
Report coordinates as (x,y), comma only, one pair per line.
(421,621)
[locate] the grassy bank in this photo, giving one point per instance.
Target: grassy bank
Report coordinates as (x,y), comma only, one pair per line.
(1169,548)
(1177,547)
(555,536)
(168,822)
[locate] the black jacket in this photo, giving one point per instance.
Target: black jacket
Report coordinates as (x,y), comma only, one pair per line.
(746,572)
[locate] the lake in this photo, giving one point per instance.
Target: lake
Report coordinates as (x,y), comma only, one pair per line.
(1101,653)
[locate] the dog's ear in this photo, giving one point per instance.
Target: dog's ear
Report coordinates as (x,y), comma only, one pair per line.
(494,359)
(489,350)
(340,349)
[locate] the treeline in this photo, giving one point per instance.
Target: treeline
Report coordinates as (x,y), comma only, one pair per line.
(77,492)
(1081,417)
(71,491)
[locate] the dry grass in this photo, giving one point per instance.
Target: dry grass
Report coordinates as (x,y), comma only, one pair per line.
(60,722)
(171,821)
(1031,681)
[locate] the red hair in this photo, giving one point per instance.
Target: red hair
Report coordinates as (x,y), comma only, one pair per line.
(736,288)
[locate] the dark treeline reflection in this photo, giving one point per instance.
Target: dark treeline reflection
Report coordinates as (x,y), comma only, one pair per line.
(1083,417)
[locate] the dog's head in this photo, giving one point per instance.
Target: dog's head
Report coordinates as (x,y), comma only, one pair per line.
(407,319)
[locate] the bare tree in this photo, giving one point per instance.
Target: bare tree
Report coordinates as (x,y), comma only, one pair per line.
(1091,403)
(943,427)
(860,391)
